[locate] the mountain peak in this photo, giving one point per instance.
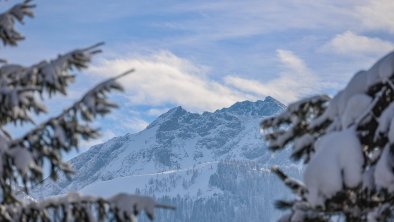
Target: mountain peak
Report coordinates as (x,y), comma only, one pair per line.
(266,107)
(273,100)
(178,109)
(175,112)
(185,157)
(259,108)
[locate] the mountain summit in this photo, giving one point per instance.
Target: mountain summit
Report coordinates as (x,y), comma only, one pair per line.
(182,155)
(267,107)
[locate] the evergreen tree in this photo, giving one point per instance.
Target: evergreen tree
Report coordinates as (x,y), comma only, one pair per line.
(347,146)
(22,93)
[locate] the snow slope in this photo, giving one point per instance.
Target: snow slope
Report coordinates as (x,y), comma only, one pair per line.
(179,157)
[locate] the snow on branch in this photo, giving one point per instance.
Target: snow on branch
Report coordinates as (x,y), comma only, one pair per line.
(348,147)
(23,158)
(20,86)
(76,207)
(22,91)
(295,126)
(8,34)
(296,186)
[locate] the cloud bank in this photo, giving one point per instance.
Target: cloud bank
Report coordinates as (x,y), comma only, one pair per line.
(376,15)
(349,43)
(164,78)
(296,80)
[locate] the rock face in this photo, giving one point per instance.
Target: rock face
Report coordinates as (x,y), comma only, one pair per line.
(211,166)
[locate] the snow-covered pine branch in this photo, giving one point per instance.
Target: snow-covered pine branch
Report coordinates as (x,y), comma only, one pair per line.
(19,86)
(75,207)
(23,157)
(296,186)
(301,124)
(8,34)
(22,90)
(348,146)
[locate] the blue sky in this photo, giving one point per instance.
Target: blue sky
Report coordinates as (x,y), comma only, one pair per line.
(205,55)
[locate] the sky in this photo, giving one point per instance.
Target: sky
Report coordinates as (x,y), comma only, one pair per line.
(204,55)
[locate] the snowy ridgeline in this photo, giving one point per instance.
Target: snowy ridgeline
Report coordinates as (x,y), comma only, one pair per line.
(211,166)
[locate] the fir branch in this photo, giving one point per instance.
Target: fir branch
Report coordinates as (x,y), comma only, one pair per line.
(76,207)
(19,86)
(58,134)
(8,34)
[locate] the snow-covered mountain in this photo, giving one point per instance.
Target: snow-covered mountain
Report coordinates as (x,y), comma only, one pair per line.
(211,166)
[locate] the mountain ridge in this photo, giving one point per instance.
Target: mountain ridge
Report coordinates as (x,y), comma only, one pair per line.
(236,108)
(178,156)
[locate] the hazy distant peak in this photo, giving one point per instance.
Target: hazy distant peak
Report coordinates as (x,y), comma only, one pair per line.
(175,112)
(273,100)
(174,143)
(179,110)
(266,107)
(259,108)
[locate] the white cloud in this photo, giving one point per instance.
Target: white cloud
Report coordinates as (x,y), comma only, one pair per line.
(156,112)
(105,136)
(376,15)
(233,19)
(135,124)
(294,82)
(165,78)
(289,59)
(349,43)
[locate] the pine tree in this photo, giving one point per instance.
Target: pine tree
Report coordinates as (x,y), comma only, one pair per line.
(347,146)
(22,94)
